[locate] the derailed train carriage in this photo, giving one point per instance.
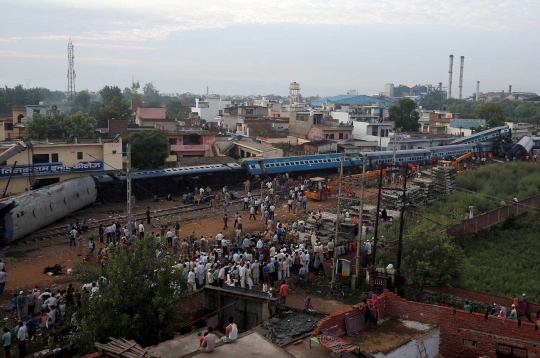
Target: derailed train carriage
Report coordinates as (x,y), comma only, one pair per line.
(161,182)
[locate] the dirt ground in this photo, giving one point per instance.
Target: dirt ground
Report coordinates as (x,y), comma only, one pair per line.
(25,261)
(386,337)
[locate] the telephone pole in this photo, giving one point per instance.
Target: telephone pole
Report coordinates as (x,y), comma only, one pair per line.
(334,258)
(377,216)
(402,220)
(129,193)
(359,236)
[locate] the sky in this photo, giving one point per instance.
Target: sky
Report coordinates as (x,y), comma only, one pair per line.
(253,47)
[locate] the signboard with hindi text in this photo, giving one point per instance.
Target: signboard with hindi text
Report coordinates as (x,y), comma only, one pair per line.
(49,169)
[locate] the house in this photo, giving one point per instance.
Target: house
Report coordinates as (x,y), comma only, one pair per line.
(154,117)
(209,107)
(192,142)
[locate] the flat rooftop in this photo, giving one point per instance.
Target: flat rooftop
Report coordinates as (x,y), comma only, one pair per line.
(249,345)
(388,336)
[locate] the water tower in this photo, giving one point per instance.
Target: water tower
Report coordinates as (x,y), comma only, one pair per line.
(294,92)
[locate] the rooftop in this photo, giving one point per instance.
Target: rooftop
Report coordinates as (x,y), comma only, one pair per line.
(152,113)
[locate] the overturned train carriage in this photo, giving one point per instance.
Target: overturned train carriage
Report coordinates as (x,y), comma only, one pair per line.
(176,181)
(23,214)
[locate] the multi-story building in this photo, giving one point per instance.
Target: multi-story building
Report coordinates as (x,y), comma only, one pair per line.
(50,161)
(192,142)
(209,108)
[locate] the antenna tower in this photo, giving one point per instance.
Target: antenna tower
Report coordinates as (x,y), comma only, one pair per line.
(71,72)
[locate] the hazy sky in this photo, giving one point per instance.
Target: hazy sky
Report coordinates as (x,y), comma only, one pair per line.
(259,47)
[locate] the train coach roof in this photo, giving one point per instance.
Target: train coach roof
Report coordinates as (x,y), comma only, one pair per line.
(178,171)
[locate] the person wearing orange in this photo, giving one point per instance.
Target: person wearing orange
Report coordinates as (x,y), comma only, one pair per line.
(283,292)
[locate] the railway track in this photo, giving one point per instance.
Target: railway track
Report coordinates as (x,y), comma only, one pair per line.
(58,231)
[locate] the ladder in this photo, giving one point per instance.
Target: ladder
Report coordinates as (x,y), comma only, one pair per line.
(422,349)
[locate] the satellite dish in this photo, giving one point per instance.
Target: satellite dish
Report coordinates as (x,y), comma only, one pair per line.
(54,108)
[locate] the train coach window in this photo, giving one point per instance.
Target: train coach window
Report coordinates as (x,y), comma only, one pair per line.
(252,166)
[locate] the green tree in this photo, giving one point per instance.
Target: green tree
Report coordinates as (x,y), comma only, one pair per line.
(52,96)
(108,93)
(492,112)
(136,302)
(405,115)
(431,260)
(80,125)
(18,96)
(118,109)
(148,149)
(133,92)
(151,94)
(433,100)
(37,127)
(81,102)
(175,109)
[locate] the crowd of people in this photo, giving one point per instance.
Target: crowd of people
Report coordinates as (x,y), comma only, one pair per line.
(503,312)
(40,315)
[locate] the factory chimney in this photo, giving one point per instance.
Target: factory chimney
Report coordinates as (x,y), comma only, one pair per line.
(477,91)
(450,76)
(509,89)
(461,76)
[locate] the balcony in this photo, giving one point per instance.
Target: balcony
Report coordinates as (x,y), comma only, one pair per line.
(191,147)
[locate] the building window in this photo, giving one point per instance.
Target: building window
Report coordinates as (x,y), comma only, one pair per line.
(510,351)
(54,157)
(8,126)
(40,158)
(173,141)
(19,118)
(36,111)
(79,155)
(331,136)
(469,343)
(340,135)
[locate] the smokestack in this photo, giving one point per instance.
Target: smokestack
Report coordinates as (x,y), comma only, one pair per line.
(450,76)
(461,76)
(477,91)
(509,89)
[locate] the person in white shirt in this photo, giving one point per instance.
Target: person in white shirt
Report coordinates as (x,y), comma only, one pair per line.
(191,280)
(141,230)
(51,301)
(242,274)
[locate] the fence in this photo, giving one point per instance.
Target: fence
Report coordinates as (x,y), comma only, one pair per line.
(494,217)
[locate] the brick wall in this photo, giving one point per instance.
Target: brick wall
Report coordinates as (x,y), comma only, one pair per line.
(335,323)
(457,325)
(117,126)
(488,299)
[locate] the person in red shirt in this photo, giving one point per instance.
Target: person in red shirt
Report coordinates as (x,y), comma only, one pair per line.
(202,339)
(283,291)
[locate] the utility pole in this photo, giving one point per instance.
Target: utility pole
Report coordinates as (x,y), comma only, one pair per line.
(377,217)
(359,236)
(334,258)
(129,223)
(402,221)
(394,155)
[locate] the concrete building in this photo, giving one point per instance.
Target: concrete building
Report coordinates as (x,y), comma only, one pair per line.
(209,107)
(192,142)
(50,161)
(154,117)
(358,100)
(248,148)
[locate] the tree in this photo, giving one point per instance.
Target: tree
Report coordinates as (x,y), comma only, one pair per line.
(80,125)
(18,96)
(148,149)
(492,112)
(37,127)
(405,115)
(133,92)
(108,93)
(118,109)
(81,102)
(151,94)
(175,109)
(433,100)
(136,301)
(431,259)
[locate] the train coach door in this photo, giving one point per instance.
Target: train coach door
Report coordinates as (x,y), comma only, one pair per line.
(261,164)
